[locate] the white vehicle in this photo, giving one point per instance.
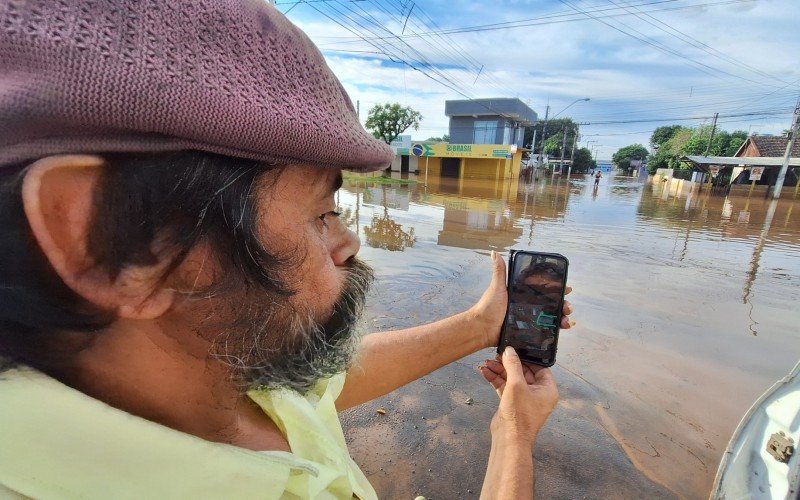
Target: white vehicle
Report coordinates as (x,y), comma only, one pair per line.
(761,460)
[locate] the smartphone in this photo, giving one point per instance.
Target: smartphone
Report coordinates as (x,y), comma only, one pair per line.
(536,285)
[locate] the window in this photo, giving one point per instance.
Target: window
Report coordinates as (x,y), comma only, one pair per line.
(485,132)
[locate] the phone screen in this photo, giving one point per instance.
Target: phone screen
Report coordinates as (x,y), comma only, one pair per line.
(536,296)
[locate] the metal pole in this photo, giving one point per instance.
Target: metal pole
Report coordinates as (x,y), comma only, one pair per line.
(711,137)
(544,133)
(530,158)
(563,150)
(785,168)
(572,155)
(426,171)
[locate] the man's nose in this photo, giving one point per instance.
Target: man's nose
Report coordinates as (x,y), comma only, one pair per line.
(346,245)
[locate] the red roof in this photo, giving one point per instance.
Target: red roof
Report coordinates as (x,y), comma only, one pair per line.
(770,145)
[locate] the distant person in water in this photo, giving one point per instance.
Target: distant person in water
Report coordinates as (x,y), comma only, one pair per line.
(597,176)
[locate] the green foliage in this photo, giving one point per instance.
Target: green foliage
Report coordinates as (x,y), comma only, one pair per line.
(552,146)
(444,138)
(583,161)
(663,134)
(735,141)
(387,121)
(660,159)
(555,129)
(686,141)
(622,158)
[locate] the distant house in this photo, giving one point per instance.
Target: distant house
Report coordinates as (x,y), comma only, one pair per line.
(734,174)
(497,120)
(767,146)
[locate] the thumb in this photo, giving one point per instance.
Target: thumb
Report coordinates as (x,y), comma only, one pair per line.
(498,271)
(513,365)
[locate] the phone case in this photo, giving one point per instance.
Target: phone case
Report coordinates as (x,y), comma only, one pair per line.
(500,345)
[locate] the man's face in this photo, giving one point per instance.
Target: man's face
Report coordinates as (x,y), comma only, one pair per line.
(545,280)
(292,342)
(299,219)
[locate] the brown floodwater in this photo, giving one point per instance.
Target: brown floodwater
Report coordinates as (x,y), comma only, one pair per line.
(687,310)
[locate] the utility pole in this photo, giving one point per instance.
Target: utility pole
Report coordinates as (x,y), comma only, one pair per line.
(572,155)
(563,150)
(787,156)
(544,133)
(711,137)
(358,110)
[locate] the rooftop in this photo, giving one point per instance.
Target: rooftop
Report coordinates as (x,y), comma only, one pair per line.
(507,107)
(771,145)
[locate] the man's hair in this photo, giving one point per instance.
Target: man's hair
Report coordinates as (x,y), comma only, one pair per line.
(169,201)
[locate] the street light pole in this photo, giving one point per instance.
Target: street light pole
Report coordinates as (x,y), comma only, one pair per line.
(544,125)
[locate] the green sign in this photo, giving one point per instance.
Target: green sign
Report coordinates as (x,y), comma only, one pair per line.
(499,153)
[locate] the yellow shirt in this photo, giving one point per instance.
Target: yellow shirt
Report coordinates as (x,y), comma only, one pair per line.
(56,442)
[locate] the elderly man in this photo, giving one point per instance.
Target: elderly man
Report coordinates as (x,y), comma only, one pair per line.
(177,294)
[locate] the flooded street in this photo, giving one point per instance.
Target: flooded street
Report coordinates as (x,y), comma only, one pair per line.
(686,310)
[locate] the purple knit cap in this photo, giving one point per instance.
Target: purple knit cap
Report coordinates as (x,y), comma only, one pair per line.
(233,77)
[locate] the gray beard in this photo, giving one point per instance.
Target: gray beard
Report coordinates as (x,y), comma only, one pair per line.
(279,347)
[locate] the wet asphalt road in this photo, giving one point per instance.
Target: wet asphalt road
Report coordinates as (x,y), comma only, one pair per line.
(431,443)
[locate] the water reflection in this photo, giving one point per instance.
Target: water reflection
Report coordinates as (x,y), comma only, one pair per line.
(682,296)
(382,232)
(385,233)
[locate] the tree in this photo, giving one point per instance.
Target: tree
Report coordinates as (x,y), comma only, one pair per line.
(663,134)
(661,159)
(724,143)
(583,161)
(738,137)
(622,158)
(681,141)
(552,145)
(444,138)
(555,129)
(387,121)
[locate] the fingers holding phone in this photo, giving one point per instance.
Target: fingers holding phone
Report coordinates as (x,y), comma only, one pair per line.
(537,311)
(528,394)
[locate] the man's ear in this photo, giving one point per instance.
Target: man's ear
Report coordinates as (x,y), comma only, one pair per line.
(58,198)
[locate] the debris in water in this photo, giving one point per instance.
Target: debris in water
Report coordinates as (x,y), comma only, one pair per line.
(420,498)
(381,411)
(469,401)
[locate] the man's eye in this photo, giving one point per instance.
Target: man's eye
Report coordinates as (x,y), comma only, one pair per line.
(332,213)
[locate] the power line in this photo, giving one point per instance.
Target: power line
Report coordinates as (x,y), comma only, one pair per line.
(680,35)
(544,20)
(657,45)
(448,83)
(659,120)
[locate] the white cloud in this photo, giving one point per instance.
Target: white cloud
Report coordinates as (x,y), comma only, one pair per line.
(626,79)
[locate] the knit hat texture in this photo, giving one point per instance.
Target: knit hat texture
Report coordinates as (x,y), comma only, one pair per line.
(233,77)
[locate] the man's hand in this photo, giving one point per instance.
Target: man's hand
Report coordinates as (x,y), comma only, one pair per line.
(490,311)
(527,393)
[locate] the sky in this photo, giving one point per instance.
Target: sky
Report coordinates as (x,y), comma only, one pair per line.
(641,63)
